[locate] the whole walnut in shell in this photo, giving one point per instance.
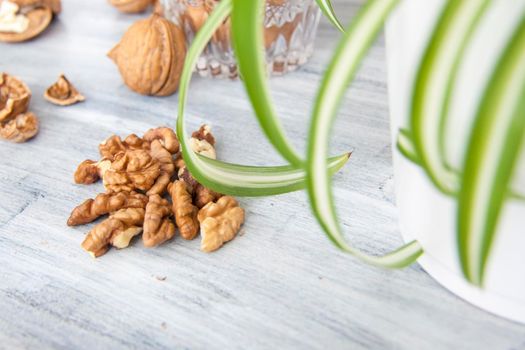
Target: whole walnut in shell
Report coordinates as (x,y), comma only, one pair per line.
(150,56)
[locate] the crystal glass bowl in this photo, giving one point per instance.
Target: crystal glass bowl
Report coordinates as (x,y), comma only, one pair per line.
(289,32)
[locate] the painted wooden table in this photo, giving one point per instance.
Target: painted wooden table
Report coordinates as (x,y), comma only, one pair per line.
(280,284)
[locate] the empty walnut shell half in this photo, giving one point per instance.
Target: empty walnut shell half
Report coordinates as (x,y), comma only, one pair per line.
(20,129)
(131,6)
(14,97)
(39,19)
(63,93)
(150,56)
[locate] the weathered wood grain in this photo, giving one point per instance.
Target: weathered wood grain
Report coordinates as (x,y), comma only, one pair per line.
(279,285)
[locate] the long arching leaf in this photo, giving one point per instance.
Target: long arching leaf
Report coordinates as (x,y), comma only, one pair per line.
(493,151)
(247,32)
(341,71)
(328,11)
(434,86)
(228,178)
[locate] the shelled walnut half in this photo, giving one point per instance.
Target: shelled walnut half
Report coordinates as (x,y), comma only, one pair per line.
(158,227)
(103,204)
(63,93)
(130,171)
(184,210)
(118,230)
(219,223)
(89,171)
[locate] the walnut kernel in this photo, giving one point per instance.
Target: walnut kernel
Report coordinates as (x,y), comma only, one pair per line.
(98,239)
(219,223)
(105,203)
(184,210)
(132,170)
(158,227)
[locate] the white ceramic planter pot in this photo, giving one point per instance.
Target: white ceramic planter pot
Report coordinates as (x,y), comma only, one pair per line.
(426,214)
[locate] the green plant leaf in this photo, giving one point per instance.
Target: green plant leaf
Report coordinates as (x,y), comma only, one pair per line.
(247,35)
(405,145)
(492,154)
(434,85)
(223,177)
(328,11)
(341,71)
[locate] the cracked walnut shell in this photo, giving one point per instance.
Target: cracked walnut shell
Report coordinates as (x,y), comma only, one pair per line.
(63,93)
(131,170)
(219,223)
(158,227)
(131,6)
(105,203)
(20,129)
(184,210)
(38,17)
(150,56)
(14,97)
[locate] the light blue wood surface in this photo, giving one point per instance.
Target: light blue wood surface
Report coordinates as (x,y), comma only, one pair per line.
(281,284)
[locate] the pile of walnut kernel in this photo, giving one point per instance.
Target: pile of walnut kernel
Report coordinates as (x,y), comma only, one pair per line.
(140,175)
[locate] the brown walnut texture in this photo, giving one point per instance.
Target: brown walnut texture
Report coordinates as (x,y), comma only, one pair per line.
(131,170)
(105,203)
(63,93)
(183,209)
(118,229)
(158,227)
(150,56)
(131,6)
(219,223)
(20,129)
(36,14)
(137,174)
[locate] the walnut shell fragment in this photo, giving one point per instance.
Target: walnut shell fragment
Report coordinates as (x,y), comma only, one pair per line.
(63,93)
(158,227)
(184,210)
(105,203)
(150,56)
(219,223)
(14,97)
(20,129)
(38,18)
(131,6)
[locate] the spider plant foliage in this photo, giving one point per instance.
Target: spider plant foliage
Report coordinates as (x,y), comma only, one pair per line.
(247,19)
